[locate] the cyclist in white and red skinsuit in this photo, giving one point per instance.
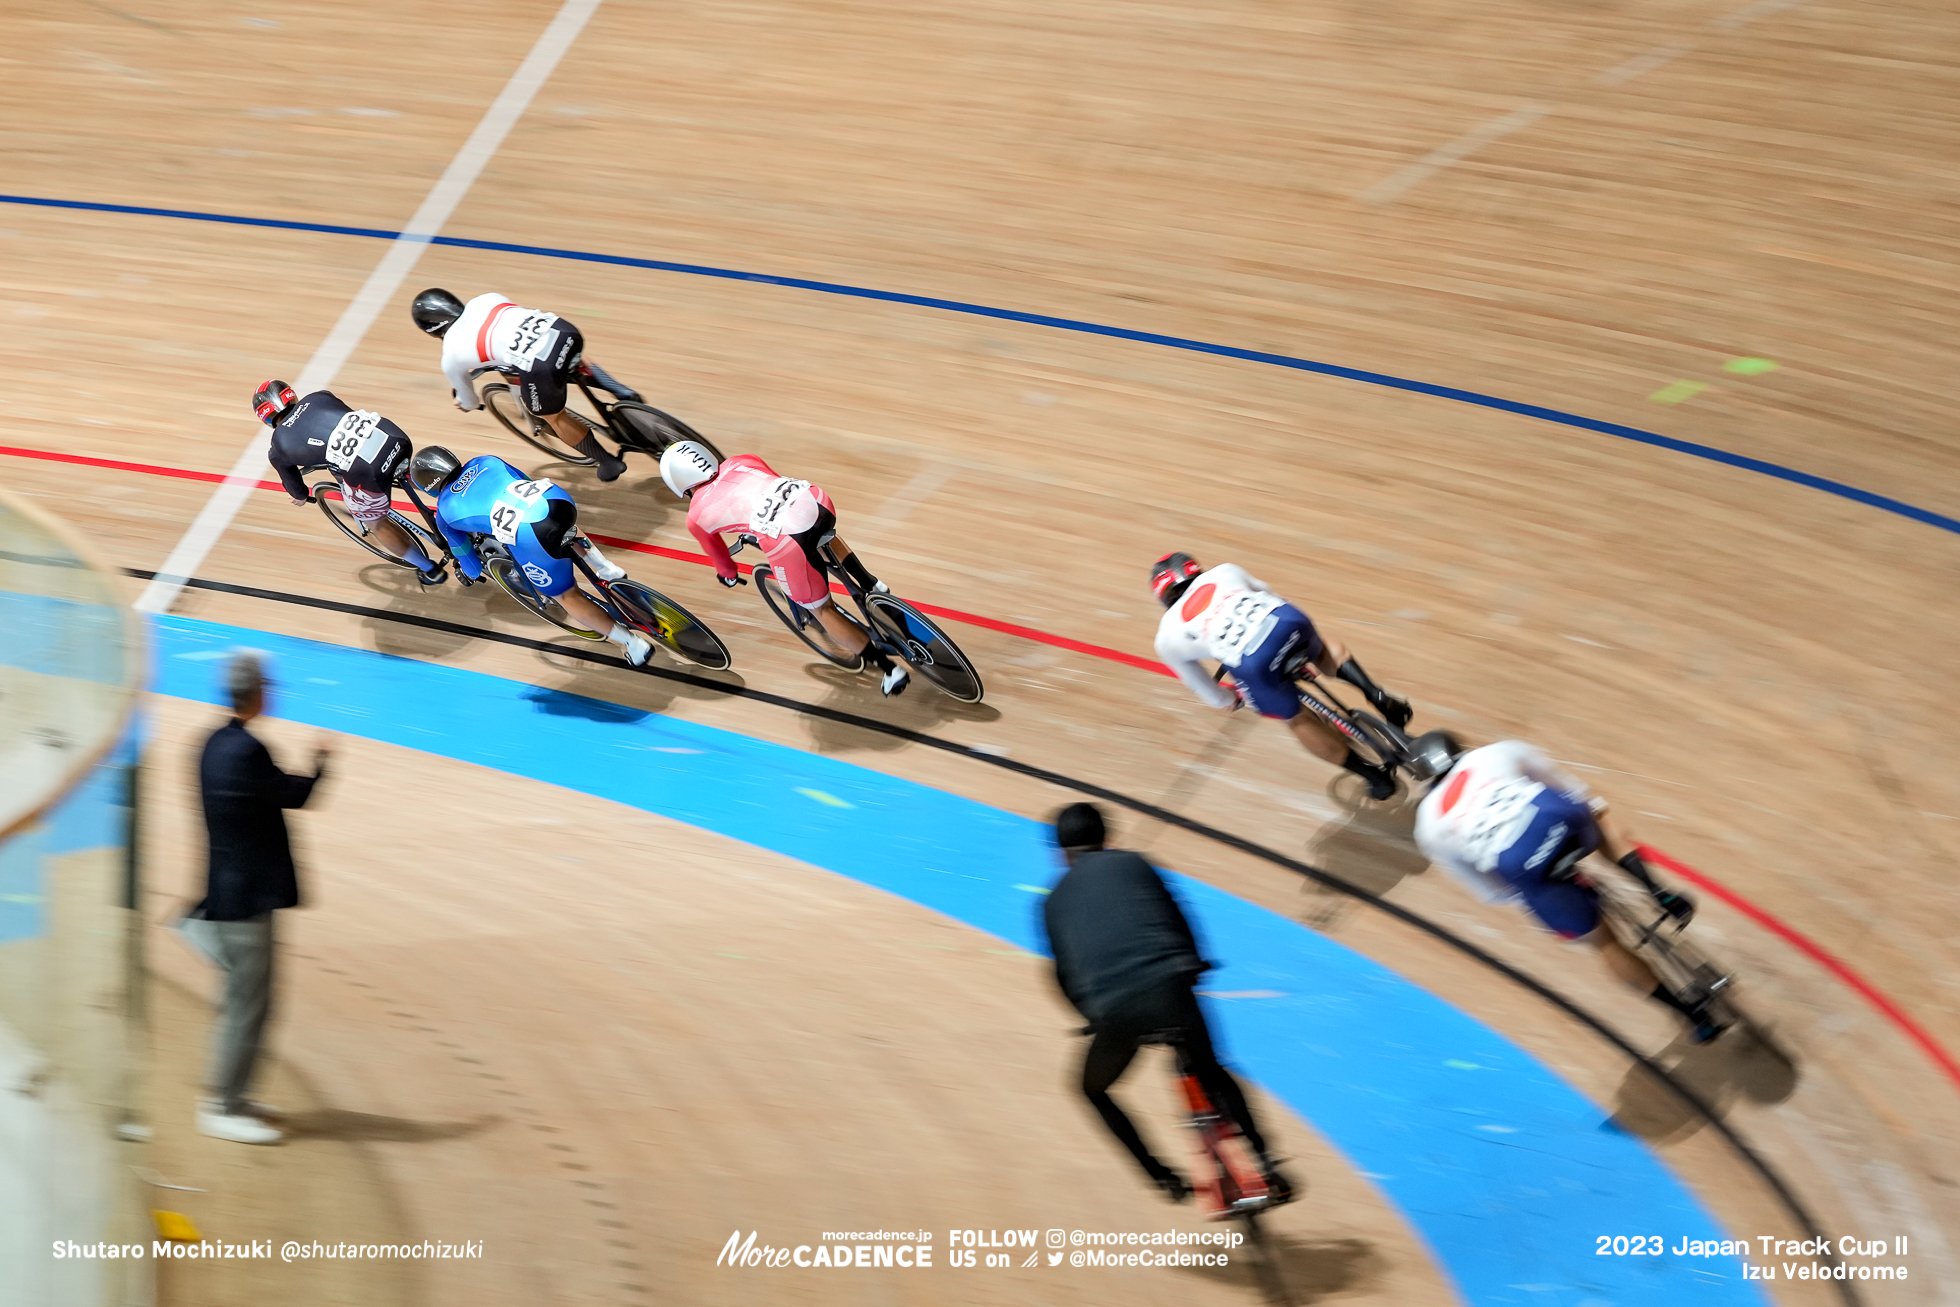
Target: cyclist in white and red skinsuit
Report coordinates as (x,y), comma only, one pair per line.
(539,353)
(791,520)
(1235,620)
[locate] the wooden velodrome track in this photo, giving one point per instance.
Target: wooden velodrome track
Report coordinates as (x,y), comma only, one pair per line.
(1615,200)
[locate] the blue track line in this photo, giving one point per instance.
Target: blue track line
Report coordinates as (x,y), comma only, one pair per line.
(1502,1169)
(1538,411)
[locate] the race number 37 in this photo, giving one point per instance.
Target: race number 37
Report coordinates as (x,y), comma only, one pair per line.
(355,437)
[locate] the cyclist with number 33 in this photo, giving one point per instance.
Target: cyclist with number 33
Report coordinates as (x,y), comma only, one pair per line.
(1237,621)
(535,520)
(792,520)
(364,450)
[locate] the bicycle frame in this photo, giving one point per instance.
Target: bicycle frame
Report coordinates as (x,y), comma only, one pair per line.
(1233,1190)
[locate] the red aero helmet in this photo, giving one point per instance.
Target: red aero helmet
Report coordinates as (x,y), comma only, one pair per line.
(272,400)
(1170,574)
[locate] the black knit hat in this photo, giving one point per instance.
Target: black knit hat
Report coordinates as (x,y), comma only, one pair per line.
(1079,826)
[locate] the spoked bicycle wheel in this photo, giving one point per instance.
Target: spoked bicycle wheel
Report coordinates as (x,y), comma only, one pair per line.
(512,581)
(680,632)
(803,624)
(327,495)
(930,651)
(646,427)
(508,409)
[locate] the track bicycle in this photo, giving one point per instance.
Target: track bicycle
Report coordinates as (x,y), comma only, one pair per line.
(1648,931)
(895,627)
(639,606)
(1226,1180)
(633,424)
(1374,738)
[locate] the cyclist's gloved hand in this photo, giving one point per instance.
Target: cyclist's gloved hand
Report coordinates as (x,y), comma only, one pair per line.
(308,500)
(1678,906)
(732,581)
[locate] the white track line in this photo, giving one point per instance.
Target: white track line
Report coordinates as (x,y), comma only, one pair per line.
(375,294)
(1443,156)
(1643,63)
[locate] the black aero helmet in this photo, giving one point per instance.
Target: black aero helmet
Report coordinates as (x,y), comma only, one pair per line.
(1433,754)
(432,468)
(1170,574)
(435,310)
(273,401)
(554,531)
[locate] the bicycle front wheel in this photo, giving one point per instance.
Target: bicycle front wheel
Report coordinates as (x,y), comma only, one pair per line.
(512,581)
(508,409)
(803,623)
(642,426)
(930,650)
(327,495)
(679,632)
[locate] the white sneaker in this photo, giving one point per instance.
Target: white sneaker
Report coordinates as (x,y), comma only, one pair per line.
(238,1129)
(250,1107)
(638,649)
(896,679)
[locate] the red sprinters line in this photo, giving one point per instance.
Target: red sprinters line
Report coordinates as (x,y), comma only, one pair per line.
(1769,921)
(1816,953)
(679,555)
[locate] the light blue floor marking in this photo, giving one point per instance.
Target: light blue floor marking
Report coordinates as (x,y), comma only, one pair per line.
(1501,1167)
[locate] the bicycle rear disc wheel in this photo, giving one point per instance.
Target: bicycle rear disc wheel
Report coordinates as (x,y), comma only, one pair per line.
(512,582)
(930,651)
(327,495)
(679,632)
(644,427)
(505,406)
(803,623)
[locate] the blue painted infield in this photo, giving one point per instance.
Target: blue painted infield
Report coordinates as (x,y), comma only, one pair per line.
(1501,1167)
(1638,435)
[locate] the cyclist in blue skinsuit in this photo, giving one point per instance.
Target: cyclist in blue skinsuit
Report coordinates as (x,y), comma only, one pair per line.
(535,520)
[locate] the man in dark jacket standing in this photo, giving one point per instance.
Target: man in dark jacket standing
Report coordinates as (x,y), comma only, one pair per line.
(249,877)
(1126,958)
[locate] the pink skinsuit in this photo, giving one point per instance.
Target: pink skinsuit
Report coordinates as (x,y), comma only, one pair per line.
(746,495)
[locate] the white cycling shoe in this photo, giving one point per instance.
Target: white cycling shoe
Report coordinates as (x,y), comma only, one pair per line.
(896,679)
(638,649)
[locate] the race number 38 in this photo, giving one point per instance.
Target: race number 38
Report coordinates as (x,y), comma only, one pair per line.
(355,437)
(1620,1245)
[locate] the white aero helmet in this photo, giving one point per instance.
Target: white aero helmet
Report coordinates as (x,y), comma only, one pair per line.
(686,464)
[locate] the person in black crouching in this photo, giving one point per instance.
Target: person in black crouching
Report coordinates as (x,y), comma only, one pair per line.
(1126,958)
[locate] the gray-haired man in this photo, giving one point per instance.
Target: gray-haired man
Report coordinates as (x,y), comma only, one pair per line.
(250,876)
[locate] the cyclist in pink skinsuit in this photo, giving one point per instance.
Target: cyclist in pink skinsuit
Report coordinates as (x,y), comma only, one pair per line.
(792,520)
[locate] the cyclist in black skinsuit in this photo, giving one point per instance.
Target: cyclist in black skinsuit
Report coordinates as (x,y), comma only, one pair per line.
(364,450)
(1126,958)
